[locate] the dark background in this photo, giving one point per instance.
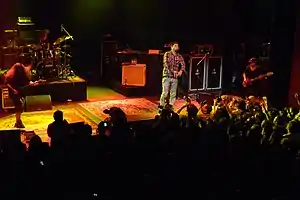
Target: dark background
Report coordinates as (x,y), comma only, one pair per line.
(152,23)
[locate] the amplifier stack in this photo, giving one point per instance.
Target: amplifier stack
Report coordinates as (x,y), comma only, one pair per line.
(6,101)
(205,75)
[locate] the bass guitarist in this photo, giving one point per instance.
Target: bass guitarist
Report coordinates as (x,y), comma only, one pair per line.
(254,79)
(16,78)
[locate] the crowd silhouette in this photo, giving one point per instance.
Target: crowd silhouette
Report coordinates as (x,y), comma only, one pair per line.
(233,148)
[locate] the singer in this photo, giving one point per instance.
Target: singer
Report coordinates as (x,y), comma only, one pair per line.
(173,68)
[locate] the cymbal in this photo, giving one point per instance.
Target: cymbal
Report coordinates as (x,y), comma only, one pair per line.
(10,31)
(62,39)
(68,37)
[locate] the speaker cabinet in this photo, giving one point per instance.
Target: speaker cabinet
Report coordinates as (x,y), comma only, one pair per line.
(108,58)
(214,73)
(197,73)
(205,75)
(134,75)
(38,103)
(7,102)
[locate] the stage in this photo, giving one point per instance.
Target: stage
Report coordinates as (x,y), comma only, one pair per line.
(71,89)
(89,111)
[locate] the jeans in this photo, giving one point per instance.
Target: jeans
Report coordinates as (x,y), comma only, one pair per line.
(168,85)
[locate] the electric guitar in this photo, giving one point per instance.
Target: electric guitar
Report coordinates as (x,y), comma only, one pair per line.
(248,82)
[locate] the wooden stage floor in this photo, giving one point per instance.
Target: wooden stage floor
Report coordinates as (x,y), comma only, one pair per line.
(90,111)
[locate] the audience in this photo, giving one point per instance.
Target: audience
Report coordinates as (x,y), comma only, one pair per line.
(233,148)
(59,129)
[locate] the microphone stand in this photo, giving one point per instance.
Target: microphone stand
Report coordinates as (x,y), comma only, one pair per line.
(204,57)
(198,75)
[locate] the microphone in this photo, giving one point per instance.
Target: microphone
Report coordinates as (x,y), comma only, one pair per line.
(61,27)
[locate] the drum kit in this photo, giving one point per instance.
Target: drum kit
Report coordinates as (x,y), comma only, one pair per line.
(49,61)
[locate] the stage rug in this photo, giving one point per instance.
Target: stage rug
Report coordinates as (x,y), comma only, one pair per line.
(38,121)
(136,109)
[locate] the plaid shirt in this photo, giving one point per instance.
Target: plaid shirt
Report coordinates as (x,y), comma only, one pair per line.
(172,64)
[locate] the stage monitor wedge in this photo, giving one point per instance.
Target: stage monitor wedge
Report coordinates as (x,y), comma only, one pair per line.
(38,103)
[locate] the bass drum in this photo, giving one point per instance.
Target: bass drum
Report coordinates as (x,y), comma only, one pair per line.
(46,72)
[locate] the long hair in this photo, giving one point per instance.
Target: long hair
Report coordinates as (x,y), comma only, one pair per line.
(18,70)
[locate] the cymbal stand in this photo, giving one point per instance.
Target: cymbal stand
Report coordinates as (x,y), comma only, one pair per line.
(64,73)
(65,70)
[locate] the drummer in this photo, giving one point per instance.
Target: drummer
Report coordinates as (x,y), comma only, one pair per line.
(44,40)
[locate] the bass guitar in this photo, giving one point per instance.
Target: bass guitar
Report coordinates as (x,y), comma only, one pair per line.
(35,83)
(6,98)
(248,82)
(24,90)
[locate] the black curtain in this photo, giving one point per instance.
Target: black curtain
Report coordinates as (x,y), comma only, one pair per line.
(282,42)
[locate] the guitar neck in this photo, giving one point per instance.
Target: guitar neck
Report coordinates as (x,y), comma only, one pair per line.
(261,77)
(35,83)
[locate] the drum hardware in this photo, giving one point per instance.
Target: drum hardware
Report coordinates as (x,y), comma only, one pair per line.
(66,54)
(65,70)
(66,46)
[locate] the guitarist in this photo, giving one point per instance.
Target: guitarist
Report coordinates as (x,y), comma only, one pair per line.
(253,77)
(17,77)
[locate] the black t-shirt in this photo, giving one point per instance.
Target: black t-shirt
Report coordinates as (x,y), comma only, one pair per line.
(254,74)
(258,87)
